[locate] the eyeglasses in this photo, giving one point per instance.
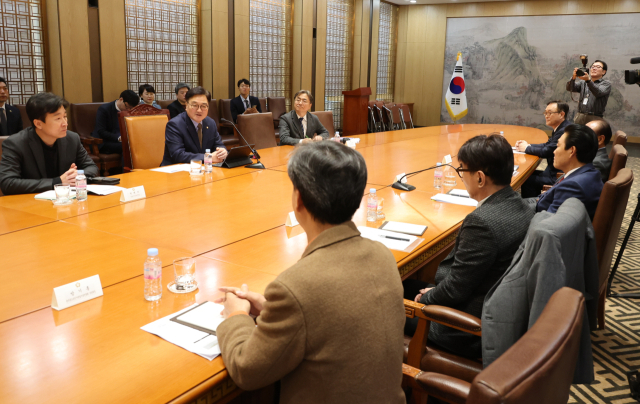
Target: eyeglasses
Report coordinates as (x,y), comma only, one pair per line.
(548,113)
(461,170)
(203,107)
(597,66)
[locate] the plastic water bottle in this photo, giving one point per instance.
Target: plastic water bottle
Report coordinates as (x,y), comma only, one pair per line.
(81,186)
(437,176)
(372,206)
(208,161)
(336,138)
(152,276)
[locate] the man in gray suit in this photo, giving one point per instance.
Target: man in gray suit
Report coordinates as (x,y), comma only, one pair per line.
(45,154)
(300,125)
(601,162)
(488,239)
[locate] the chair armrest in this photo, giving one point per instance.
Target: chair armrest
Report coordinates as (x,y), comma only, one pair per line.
(545,188)
(86,141)
(444,387)
(453,318)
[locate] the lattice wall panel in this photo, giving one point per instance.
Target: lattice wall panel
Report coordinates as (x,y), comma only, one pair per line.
(387,42)
(339,61)
(22,49)
(270,33)
(162,44)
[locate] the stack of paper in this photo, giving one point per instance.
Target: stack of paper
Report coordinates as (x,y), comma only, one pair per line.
(459,192)
(103,189)
(51,195)
(456,200)
(407,228)
(173,169)
(198,342)
(393,240)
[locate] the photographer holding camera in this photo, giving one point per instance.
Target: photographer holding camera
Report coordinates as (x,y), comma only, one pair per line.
(594,92)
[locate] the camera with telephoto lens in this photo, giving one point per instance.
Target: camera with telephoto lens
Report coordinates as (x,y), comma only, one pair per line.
(632,76)
(583,70)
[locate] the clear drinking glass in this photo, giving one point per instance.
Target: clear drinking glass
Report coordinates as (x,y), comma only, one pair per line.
(62,194)
(196,167)
(185,273)
(450,176)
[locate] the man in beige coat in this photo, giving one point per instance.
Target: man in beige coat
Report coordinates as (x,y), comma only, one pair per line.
(331,326)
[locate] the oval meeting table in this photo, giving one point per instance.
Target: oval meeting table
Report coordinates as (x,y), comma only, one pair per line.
(232,221)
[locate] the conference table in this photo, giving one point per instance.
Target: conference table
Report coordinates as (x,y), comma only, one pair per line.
(231,220)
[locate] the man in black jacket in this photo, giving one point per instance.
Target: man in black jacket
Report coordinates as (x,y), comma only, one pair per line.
(107,127)
(555,116)
(180,104)
(10,119)
(300,125)
(488,239)
(244,101)
(44,154)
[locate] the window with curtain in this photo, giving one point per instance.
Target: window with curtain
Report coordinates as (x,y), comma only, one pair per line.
(387,42)
(22,48)
(339,59)
(162,44)
(270,39)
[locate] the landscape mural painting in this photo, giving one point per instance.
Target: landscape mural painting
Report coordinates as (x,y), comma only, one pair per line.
(514,65)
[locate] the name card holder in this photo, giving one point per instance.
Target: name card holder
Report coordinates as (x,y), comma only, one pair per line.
(76,292)
(291,220)
(447,159)
(132,194)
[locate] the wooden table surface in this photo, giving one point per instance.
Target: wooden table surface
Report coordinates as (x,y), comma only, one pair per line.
(232,220)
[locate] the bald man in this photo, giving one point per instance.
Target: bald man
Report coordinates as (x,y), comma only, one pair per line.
(601,162)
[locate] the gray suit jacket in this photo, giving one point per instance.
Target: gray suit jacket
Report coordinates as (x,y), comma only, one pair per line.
(559,250)
(291,131)
(602,163)
(22,169)
(488,238)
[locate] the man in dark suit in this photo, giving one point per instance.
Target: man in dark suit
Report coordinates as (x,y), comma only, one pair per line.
(10,119)
(601,162)
(574,155)
(244,101)
(555,116)
(45,154)
(488,239)
(180,104)
(107,126)
(313,332)
(188,135)
(300,125)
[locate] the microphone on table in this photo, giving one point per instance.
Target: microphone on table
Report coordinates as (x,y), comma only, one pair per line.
(406,187)
(255,153)
(634,61)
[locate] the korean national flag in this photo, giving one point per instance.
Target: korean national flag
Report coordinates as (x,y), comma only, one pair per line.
(456,97)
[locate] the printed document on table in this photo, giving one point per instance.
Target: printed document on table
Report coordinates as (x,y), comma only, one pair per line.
(173,169)
(391,239)
(198,342)
(51,195)
(406,228)
(456,200)
(459,192)
(103,189)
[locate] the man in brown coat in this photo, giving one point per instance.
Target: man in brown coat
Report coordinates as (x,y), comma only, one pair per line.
(331,326)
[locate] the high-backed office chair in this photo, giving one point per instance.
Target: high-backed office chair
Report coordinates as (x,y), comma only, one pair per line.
(619,160)
(164,103)
(227,137)
(23,114)
(263,105)
(538,368)
(225,112)
(618,138)
(142,131)
(606,225)
(277,107)
(257,129)
(395,117)
(83,121)
(326,119)
(407,121)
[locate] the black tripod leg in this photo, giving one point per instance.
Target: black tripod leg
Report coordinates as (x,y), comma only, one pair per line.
(634,218)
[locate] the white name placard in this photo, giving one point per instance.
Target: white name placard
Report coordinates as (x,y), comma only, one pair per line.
(351,143)
(401,175)
(76,292)
(131,194)
(447,159)
(291,220)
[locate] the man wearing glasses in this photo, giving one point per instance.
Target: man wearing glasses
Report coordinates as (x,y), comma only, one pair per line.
(555,117)
(189,134)
(300,125)
(594,92)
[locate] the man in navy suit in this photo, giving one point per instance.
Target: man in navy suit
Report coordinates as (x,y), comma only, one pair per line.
(189,134)
(554,116)
(574,155)
(107,126)
(10,119)
(244,101)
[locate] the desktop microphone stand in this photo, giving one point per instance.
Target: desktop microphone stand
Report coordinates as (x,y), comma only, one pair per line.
(257,164)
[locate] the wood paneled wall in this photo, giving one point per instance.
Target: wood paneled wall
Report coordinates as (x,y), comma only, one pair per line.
(241,32)
(321,52)
(302,56)
(421,42)
(113,49)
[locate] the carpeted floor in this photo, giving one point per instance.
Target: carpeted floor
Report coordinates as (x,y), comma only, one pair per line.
(616,349)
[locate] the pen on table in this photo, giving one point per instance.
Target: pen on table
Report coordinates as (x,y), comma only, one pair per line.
(394,238)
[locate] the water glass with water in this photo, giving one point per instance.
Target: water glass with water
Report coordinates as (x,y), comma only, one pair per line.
(62,193)
(185,273)
(196,167)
